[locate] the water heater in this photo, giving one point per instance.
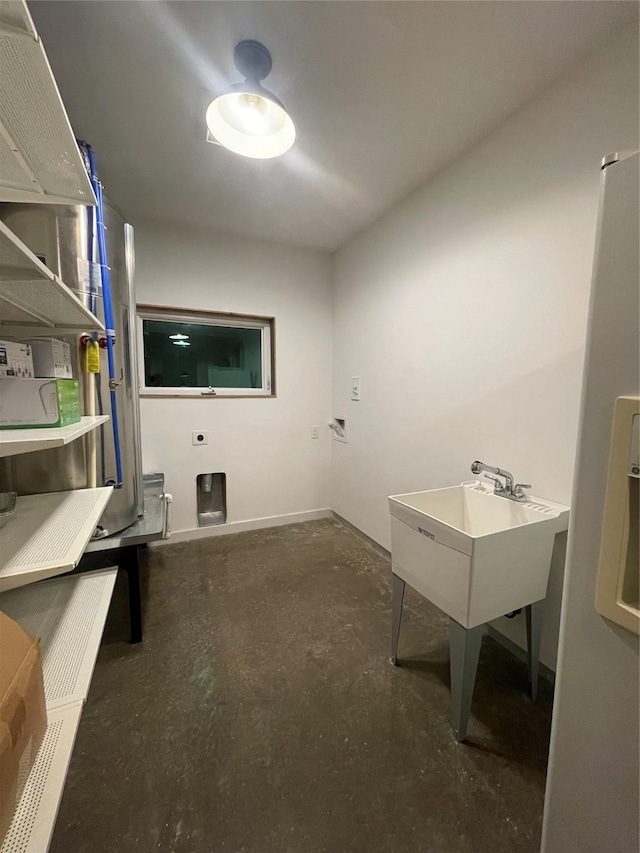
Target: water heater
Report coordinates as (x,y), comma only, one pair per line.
(64,238)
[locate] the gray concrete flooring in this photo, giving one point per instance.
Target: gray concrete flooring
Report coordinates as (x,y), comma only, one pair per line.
(261,715)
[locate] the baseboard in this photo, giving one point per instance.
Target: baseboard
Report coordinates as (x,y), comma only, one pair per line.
(244,526)
(492,632)
(370,542)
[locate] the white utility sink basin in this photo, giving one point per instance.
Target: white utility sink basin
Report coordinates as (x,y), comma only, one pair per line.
(474,554)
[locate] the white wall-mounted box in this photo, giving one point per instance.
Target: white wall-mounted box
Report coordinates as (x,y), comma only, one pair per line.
(618,591)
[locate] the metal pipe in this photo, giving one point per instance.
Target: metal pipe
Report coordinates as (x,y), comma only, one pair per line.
(108,308)
(90,256)
(90,378)
(477,467)
(92,447)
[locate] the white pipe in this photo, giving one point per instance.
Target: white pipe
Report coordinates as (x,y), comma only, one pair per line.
(92,444)
(168,500)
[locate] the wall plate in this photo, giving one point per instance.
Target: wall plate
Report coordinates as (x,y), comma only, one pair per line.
(355,388)
(342,425)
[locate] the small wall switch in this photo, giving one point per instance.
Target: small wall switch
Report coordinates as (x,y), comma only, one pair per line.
(200,436)
(315,432)
(355,388)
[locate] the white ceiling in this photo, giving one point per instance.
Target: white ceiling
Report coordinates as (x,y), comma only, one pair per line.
(382,93)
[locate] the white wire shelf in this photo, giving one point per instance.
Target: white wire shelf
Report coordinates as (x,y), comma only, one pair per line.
(68,615)
(35,816)
(16,441)
(30,294)
(39,156)
(48,534)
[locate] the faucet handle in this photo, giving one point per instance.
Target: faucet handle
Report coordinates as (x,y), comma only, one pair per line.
(498,484)
(519,489)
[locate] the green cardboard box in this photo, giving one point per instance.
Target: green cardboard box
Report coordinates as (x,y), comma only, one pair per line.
(29,403)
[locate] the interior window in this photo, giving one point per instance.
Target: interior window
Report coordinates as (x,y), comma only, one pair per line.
(206,354)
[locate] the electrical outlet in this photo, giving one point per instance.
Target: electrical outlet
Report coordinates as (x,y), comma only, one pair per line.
(355,388)
(315,432)
(200,436)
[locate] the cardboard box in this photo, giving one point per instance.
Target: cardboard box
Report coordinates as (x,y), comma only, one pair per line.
(51,358)
(28,403)
(16,361)
(23,714)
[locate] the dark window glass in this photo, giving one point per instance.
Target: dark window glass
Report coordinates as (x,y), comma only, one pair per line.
(197,355)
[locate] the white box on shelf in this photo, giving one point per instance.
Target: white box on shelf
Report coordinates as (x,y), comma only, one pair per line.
(38,403)
(51,358)
(16,361)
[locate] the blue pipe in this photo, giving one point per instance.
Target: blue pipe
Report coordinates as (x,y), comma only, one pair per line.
(108,306)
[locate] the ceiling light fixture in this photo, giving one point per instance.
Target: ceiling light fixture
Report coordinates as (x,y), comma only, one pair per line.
(247,118)
(179,337)
(181,343)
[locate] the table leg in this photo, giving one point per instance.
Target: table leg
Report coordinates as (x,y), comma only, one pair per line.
(464,652)
(396,618)
(534,632)
(131,564)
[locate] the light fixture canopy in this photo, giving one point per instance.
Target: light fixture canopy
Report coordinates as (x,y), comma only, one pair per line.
(247,118)
(179,337)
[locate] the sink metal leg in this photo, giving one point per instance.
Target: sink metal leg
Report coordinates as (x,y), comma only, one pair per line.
(396,618)
(464,652)
(534,632)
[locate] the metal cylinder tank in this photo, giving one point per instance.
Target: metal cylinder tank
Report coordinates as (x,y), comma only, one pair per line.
(64,238)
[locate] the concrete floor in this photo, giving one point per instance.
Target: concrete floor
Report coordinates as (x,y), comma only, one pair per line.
(261,715)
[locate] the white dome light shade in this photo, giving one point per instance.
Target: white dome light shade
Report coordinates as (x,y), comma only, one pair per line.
(251,121)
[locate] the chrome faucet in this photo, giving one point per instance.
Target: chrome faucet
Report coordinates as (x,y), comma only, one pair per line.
(514,492)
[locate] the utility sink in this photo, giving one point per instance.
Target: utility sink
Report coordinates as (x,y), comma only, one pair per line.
(474,554)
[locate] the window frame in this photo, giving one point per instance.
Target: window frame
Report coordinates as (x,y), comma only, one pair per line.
(210,318)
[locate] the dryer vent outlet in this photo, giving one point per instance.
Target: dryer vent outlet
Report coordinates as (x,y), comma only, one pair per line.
(212,499)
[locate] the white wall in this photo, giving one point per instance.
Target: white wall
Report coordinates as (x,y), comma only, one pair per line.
(273,466)
(464,310)
(592,801)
